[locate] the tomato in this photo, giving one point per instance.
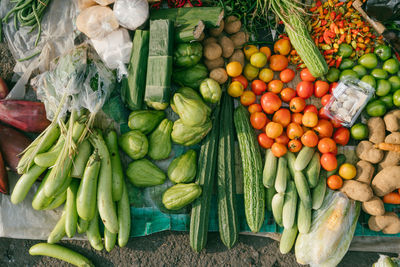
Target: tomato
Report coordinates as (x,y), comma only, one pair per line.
(297,104)
(275,86)
(341,136)
(250,72)
(305,75)
(258,60)
(287,94)
(309,138)
(258,120)
(321,88)
(278,150)
(328,161)
(258,87)
(234,69)
(336,123)
(282,139)
(324,128)
(255,108)
(270,102)
(297,118)
(294,130)
(249,50)
(325,99)
(282,46)
(347,171)
(266,50)
(273,129)
(278,62)
(326,145)
(247,98)
(287,75)
(242,80)
(266,75)
(332,87)
(323,114)
(334,182)
(305,89)
(264,141)
(310,119)
(311,108)
(295,145)
(282,117)
(235,89)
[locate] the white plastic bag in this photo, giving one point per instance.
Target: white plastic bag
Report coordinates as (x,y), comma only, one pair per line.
(105,2)
(131,14)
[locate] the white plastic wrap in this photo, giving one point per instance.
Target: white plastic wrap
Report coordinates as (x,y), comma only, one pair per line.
(131,14)
(83,4)
(104,2)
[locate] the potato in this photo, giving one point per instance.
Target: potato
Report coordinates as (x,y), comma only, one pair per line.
(212,51)
(388,223)
(238,56)
(232,25)
(104,2)
(392,120)
(376,127)
(82,4)
(374,206)
(227,46)
(357,190)
(391,158)
(217,31)
(365,172)
(386,181)
(219,74)
(393,138)
(366,151)
(209,40)
(239,39)
(213,64)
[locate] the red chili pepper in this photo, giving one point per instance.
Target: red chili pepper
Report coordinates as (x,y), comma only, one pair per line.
(333,29)
(3,177)
(333,15)
(332,63)
(329,52)
(341,24)
(342,38)
(339,16)
(321,39)
(339,4)
(373,36)
(323,22)
(313,8)
(338,61)
(318,4)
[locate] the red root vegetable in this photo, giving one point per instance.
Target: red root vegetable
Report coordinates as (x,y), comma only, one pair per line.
(12,143)
(27,116)
(3,177)
(3,89)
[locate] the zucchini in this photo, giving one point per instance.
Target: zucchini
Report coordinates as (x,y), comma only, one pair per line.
(340,160)
(270,192)
(303,158)
(254,192)
(277,207)
(287,239)
(291,159)
(227,215)
(281,176)
(303,218)
(270,167)
(289,206)
(313,169)
(318,193)
(132,90)
(302,189)
(206,170)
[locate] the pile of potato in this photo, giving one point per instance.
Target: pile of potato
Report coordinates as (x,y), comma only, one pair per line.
(370,189)
(226,42)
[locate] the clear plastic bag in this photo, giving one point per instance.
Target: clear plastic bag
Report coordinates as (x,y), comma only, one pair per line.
(131,14)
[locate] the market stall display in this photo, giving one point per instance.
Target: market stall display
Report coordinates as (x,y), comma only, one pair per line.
(158,137)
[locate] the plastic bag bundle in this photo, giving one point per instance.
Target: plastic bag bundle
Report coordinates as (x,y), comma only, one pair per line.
(131,14)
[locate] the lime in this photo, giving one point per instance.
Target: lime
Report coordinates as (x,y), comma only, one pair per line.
(346,64)
(369,80)
(359,131)
(379,74)
(348,74)
(382,88)
(345,50)
(388,100)
(395,83)
(361,70)
(333,75)
(391,66)
(370,61)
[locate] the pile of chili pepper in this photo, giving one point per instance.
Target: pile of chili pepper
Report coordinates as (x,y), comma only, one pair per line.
(333,23)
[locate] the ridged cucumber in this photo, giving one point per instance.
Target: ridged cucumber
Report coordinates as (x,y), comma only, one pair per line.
(281,175)
(312,170)
(287,239)
(340,160)
(318,193)
(303,218)
(270,168)
(303,189)
(303,158)
(291,159)
(270,192)
(277,207)
(289,206)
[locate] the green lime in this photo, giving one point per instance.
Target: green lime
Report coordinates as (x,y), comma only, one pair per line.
(348,74)
(388,100)
(369,79)
(333,75)
(346,64)
(391,65)
(359,131)
(384,52)
(383,88)
(345,50)
(395,83)
(396,98)
(379,74)
(376,108)
(361,70)
(370,61)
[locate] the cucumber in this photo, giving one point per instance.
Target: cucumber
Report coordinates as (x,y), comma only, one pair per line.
(303,218)
(281,176)
(303,158)
(270,168)
(270,192)
(318,193)
(287,239)
(291,158)
(313,169)
(302,189)
(340,160)
(277,207)
(289,206)
(254,192)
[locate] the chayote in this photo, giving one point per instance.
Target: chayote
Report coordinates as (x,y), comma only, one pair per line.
(180,195)
(144,173)
(145,120)
(160,141)
(191,77)
(183,168)
(210,90)
(189,135)
(188,54)
(134,144)
(192,94)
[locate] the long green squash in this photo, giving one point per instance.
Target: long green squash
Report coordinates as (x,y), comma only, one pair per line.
(227,214)
(206,171)
(254,193)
